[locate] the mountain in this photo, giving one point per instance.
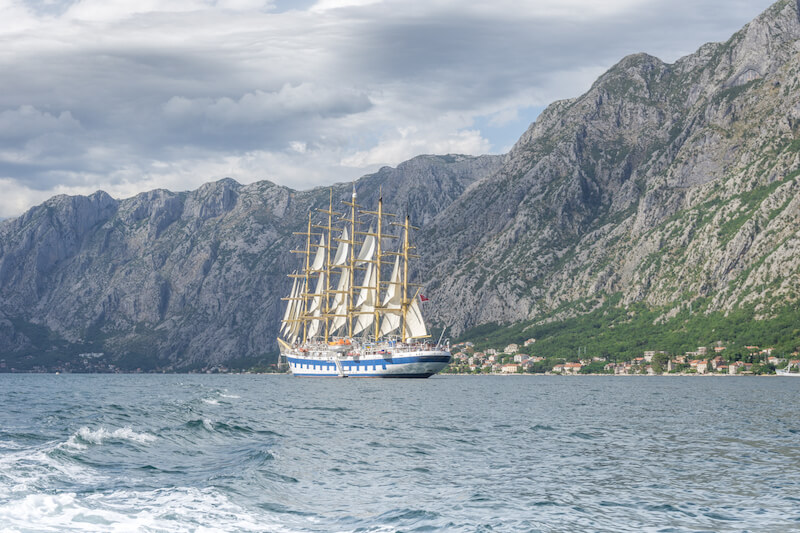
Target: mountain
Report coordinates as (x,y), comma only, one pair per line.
(665,186)
(179,280)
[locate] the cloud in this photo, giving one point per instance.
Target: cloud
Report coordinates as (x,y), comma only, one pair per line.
(26,122)
(105,11)
(325,5)
(15,16)
(405,143)
(290,102)
(137,94)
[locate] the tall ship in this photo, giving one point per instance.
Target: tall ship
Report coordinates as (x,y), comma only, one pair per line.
(352,311)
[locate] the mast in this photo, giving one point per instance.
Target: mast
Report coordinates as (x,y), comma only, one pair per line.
(393,300)
(379,236)
(326,310)
(339,306)
(404,305)
(406,254)
(351,261)
(378,259)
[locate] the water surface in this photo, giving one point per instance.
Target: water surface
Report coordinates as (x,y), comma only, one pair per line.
(452,453)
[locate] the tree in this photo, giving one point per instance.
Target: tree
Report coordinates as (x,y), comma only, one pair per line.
(595,367)
(659,363)
(766,368)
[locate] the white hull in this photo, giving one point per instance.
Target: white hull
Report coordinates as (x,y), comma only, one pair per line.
(784,372)
(390,363)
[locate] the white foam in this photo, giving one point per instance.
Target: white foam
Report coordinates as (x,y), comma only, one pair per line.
(229,396)
(175,509)
(208,424)
(210,401)
(97,436)
(30,470)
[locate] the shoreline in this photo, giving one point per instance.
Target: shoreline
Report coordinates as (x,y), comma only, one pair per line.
(622,375)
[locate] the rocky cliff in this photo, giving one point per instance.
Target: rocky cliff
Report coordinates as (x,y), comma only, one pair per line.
(665,184)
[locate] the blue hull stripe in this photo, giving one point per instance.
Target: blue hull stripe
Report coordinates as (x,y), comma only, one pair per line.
(425,375)
(389,361)
(410,366)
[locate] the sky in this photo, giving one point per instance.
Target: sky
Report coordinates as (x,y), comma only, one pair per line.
(132,95)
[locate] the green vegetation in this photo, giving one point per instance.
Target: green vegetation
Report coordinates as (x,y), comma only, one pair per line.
(794,146)
(751,200)
(619,333)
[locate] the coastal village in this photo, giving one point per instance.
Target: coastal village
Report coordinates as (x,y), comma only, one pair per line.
(521,359)
(716,360)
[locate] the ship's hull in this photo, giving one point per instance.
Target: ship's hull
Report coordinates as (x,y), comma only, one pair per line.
(417,364)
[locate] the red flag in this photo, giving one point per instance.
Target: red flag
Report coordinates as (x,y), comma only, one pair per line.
(422,298)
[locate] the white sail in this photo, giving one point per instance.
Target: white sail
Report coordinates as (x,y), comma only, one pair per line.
(294,316)
(319,259)
(392,301)
(367,252)
(365,303)
(339,305)
(340,301)
(290,305)
(415,325)
(315,310)
(343,250)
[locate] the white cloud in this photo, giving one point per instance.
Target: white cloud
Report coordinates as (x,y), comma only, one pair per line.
(504,116)
(14,16)
(117,10)
(326,5)
(405,143)
(27,121)
(298,146)
(16,197)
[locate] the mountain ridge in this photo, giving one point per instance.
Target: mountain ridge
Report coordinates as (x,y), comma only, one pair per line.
(179,279)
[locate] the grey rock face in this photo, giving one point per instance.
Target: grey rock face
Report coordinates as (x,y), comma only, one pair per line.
(665,183)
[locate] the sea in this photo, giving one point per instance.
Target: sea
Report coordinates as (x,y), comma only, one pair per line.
(276,453)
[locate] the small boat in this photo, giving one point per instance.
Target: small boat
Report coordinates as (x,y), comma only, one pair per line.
(788,372)
(348,314)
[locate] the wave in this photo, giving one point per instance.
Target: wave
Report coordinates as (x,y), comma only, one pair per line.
(97,436)
(31,470)
(204,423)
(165,510)
(229,428)
(11,445)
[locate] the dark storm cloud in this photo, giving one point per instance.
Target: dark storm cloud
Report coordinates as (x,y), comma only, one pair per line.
(459,58)
(259,118)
